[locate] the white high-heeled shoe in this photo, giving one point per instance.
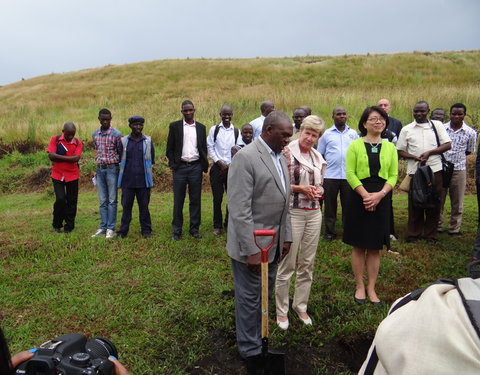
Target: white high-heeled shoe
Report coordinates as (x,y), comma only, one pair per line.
(283,325)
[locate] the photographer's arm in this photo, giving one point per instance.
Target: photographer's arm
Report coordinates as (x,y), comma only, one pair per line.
(119,368)
(21,357)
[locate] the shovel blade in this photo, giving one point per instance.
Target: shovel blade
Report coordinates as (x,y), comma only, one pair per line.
(274,363)
(269,363)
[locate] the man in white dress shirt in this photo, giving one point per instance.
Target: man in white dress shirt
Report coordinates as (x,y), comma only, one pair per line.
(221,138)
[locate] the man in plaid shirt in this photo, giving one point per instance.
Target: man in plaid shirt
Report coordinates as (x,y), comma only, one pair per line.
(464,139)
(107,141)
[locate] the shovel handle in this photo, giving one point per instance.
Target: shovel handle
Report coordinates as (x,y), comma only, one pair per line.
(264,233)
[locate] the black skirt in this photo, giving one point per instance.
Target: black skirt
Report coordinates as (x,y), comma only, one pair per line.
(365,229)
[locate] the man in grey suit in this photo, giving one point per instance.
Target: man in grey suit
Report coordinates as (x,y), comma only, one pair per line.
(258,198)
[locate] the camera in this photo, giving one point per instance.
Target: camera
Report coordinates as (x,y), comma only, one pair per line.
(71,354)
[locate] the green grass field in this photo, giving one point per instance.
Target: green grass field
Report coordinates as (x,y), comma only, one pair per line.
(166,305)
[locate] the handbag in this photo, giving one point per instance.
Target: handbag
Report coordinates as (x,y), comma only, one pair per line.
(407,181)
(405,184)
(447,166)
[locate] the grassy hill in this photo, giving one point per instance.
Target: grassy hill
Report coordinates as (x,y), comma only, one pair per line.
(36,108)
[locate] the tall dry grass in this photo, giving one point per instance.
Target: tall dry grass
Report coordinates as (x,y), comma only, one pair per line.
(38,107)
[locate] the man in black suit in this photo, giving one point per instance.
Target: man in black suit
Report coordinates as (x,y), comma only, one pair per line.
(187,158)
(394,125)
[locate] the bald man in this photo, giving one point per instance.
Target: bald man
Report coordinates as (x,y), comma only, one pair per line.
(265,108)
(394,125)
(65,151)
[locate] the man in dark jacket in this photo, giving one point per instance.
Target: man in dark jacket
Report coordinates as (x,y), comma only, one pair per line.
(187,158)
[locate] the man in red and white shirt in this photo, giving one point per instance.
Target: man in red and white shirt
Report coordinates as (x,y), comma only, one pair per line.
(65,151)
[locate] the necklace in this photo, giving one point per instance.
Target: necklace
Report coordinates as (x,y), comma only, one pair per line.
(374,147)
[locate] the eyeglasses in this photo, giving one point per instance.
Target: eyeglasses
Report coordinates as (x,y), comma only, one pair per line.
(376,119)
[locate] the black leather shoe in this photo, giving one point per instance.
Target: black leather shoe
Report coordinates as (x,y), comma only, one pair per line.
(196,235)
(359,301)
(147,235)
(176,237)
(329,237)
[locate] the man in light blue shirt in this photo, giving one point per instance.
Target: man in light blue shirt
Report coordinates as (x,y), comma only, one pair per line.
(333,146)
(257,124)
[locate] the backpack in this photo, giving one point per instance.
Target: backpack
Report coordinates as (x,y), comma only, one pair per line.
(217,129)
(422,190)
(433,330)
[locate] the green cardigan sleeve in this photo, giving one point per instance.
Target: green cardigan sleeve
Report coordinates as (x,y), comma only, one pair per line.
(393,170)
(351,164)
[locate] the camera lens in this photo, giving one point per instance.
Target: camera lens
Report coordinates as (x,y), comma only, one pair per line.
(101,347)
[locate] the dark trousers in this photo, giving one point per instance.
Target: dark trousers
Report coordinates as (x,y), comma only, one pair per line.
(143,200)
(476,246)
(187,175)
(218,182)
(331,188)
(248,316)
(65,206)
(425,221)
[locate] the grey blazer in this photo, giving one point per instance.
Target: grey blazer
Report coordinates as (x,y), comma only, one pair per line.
(256,200)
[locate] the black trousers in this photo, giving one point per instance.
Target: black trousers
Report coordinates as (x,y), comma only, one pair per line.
(65,206)
(187,175)
(218,182)
(422,221)
(332,187)
(143,200)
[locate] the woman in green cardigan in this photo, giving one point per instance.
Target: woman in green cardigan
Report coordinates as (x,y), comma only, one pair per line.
(372,171)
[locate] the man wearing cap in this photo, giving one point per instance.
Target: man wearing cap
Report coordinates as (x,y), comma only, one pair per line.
(135,177)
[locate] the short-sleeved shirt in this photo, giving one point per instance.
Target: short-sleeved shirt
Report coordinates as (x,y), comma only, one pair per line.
(417,138)
(63,170)
(108,145)
(333,146)
(463,141)
(257,125)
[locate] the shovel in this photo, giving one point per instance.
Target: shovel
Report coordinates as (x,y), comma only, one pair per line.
(273,361)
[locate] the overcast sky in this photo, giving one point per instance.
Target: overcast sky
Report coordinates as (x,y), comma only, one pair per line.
(40,37)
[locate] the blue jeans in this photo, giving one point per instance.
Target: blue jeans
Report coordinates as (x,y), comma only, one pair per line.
(107,196)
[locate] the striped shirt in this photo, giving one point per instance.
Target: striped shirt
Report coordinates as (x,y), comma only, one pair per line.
(108,145)
(463,141)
